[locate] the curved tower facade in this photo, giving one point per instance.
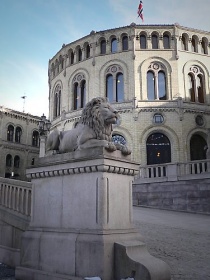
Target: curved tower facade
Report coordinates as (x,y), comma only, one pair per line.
(158,78)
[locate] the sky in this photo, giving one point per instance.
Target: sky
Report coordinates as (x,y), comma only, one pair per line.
(33,31)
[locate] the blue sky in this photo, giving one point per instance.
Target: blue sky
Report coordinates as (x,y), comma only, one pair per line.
(33,31)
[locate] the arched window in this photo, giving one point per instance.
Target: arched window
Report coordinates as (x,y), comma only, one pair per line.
(158,149)
(204,44)
(87,51)
(79,91)
(16,161)
(8,160)
(32,161)
(53,69)
(79,54)
(156,82)
(61,60)
(154,41)
(197,147)
(184,42)
(83,93)
(72,58)
(117,138)
(76,96)
(125,43)
(103,46)
(196,83)
(10,133)
(194,44)
(114,84)
(35,138)
(166,41)
(143,41)
(18,133)
(114,45)
(57,101)
(109,87)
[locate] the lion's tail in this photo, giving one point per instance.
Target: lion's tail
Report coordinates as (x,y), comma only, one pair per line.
(53,140)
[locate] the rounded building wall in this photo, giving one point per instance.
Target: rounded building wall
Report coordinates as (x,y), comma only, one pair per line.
(159,83)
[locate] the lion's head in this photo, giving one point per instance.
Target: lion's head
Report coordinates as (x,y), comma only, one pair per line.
(99,115)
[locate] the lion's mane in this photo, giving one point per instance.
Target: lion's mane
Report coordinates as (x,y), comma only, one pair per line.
(91,116)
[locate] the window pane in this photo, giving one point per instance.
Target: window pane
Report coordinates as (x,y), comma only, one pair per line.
(114,45)
(154,42)
(143,42)
(116,138)
(79,55)
(18,134)
(83,94)
(125,43)
(161,86)
(166,43)
(191,88)
(9,161)
(199,84)
(150,86)
(103,47)
(109,88)
(87,51)
(17,162)
(197,148)
(10,133)
(120,88)
(76,96)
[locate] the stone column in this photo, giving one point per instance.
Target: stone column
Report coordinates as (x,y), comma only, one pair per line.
(42,146)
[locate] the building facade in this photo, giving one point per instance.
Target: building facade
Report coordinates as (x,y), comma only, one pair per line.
(156,76)
(19,143)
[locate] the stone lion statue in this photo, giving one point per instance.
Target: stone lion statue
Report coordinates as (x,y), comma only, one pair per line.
(93,130)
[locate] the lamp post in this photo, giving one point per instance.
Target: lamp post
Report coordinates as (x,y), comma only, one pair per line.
(44,127)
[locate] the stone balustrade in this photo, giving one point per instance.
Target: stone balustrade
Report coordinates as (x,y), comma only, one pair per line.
(174,171)
(15,195)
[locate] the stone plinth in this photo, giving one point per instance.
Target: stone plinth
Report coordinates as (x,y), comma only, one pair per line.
(81,207)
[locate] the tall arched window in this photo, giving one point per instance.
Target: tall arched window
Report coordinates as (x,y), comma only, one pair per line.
(197,147)
(196,85)
(16,161)
(156,82)
(57,101)
(158,149)
(18,133)
(79,91)
(35,138)
(79,54)
(154,41)
(72,58)
(76,96)
(166,41)
(8,160)
(83,93)
(143,41)
(109,87)
(10,133)
(184,42)
(125,43)
(114,45)
(103,46)
(87,51)
(194,43)
(204,44)
(114,84)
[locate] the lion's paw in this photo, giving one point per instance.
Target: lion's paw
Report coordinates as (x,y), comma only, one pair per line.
(111,147)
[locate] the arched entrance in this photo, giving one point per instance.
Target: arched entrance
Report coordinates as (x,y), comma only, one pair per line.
(158,149)
(198,147)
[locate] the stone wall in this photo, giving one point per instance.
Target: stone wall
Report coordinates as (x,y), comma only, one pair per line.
(185,195)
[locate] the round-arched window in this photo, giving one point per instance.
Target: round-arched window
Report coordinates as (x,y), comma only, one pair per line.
(117,138)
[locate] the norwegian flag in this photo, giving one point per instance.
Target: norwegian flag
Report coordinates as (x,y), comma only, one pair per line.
(140,11)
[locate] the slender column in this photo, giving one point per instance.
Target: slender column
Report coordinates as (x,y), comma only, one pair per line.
(42,146)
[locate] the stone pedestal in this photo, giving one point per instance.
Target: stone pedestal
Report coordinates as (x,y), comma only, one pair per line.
(81,211)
